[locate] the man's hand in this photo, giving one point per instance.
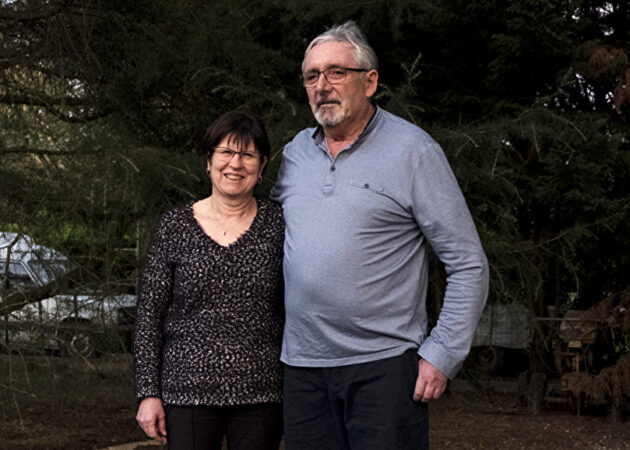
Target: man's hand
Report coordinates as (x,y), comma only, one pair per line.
(430,383)
(151,419)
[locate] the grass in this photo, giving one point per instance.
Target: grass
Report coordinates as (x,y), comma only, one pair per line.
(64,402)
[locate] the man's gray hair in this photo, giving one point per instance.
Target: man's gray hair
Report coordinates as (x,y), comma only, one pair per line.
(350,33)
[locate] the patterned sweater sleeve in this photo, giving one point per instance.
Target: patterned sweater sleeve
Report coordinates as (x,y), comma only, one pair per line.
(153,301)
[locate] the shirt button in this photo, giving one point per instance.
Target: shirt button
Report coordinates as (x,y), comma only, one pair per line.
(332,168)
(366,186)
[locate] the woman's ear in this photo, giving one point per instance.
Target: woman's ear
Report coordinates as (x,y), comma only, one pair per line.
(262,165)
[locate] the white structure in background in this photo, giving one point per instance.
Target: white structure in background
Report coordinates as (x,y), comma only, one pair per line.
(65,322)
(501,326)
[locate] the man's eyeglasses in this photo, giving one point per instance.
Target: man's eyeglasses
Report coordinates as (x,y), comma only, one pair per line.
(334,75)
(224,154)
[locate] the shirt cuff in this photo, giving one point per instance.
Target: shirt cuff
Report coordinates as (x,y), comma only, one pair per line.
(439,357)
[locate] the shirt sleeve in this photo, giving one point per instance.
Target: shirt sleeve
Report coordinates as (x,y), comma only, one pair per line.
(278,187)
(441,212)
(153,301)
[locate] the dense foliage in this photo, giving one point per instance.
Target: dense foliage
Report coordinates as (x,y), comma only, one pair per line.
(102,105)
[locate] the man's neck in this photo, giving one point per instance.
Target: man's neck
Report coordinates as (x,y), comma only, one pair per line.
(339,137)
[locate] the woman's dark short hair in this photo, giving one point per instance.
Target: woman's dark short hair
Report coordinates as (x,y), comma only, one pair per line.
(243,128)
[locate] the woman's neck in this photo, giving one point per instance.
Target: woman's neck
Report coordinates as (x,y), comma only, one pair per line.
(225,220)
(229,208)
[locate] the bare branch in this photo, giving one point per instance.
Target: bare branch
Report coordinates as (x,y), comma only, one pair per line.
(18,298)
(5,276)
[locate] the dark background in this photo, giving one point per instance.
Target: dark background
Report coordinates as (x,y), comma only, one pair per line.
(103,104)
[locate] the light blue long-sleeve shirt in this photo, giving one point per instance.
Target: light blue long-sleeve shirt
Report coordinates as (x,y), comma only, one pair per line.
(355,252)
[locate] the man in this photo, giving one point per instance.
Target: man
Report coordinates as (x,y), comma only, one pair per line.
(363,195)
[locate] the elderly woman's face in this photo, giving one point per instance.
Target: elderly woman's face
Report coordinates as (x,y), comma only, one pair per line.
(235,174)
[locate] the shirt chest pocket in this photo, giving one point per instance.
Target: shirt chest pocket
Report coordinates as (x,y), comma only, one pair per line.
(370,193)
(369,187)
(374,203)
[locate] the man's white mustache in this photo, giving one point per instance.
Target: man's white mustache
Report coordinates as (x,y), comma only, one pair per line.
(327,100)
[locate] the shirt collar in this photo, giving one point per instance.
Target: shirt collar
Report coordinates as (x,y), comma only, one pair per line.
(318,134)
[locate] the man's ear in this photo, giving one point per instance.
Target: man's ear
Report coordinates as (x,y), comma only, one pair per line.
(371,83)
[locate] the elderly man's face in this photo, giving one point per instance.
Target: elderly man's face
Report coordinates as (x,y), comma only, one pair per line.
(335,104)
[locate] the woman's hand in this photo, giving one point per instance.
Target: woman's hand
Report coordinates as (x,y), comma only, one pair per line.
(151,419)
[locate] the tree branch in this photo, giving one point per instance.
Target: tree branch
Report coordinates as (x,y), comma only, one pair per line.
(40,100)
(49,104)
(8,13)
(83,118)
(37,151)
(65,67)
(18,298)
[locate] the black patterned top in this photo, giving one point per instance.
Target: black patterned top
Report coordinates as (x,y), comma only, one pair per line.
(209,318)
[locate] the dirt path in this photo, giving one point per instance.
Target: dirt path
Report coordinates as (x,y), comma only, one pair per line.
(469,420)
(472,420)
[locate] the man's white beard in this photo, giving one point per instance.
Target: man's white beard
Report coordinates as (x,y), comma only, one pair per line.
(330,118)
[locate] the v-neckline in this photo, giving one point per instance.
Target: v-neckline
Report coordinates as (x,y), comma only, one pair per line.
(238,239)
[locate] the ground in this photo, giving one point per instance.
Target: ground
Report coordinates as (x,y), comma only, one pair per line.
(62,403)
(477,420)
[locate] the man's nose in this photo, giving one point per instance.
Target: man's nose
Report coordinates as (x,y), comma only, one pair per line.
(322,83)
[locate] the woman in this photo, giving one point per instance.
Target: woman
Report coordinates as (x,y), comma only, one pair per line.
(209,319)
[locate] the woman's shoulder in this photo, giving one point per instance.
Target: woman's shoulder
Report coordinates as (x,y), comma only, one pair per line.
(270,209)
(176,216)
